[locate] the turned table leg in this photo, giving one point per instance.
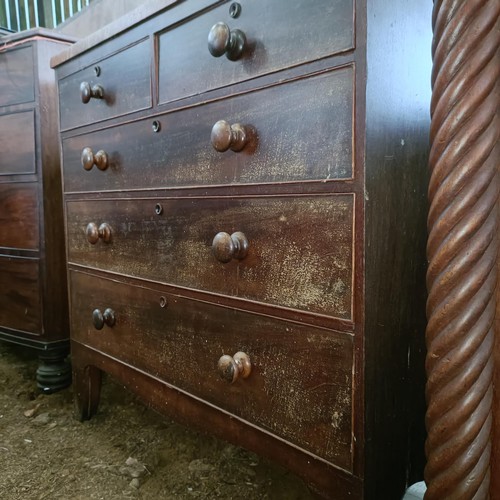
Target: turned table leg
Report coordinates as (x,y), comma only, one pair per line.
(54,371)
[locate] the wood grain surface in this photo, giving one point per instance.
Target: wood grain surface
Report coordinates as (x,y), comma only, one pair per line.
(125,78)
(301,380)
(17,143)
(187,68)
(288,144)
(291,261)
(19,294)
(19,223)
(16,76)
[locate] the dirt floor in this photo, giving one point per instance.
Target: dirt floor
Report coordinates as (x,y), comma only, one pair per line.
(125,451)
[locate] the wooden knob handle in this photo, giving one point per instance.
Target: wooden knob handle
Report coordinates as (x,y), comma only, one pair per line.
(227,247)
(222,40)
(100,319)
(95,233)
(87,92)
(233,367)
(225,136)
(89,159)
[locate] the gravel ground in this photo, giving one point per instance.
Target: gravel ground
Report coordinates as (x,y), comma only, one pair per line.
(125,451)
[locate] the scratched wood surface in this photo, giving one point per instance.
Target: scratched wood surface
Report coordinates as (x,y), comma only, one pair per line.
(287,146)
(291,261)
(300,385)
(125,78)
(187,68)
(326,107)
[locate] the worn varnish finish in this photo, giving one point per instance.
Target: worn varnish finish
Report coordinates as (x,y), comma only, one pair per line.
(88,365)
(292,391)
(126,86)
(186,67)
(191,243)
(33,291)
(463,252)
(283,148)
(290,261)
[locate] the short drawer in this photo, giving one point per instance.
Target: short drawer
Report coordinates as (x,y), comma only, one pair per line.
(300,249)
(125,80)
(300,384)
(279,34)
(20,306)
(19,224)
(16,76)
(284,141)
(17,156)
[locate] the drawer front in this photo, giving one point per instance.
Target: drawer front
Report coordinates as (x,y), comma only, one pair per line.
(300,248)
(287,145)
(20,307)
(17,156)
(319,28)
(16,76)
(300,386)
(19,226)
(125,79)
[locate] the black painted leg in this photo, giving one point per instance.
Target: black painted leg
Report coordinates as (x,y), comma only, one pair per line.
(54,371)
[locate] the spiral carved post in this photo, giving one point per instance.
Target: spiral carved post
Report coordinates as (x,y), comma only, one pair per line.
(462,248)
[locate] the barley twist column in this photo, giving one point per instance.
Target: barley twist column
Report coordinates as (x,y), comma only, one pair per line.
(462,248)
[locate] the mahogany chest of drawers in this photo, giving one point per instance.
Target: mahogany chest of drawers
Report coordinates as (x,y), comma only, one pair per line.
(33,292)
(244,192)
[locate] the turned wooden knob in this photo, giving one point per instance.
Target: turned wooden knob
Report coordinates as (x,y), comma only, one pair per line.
(87,92)
(233,367)
(222,40)
(227,247)
(89,159)
(99,319)
(95,233)
(225,136)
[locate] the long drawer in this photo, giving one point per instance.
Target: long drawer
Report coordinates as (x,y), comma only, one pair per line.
(20,294)
(300,248)
(17,155)
(300,385)
(279,34)
(16,76)
(125,80)
(19,216)
(309,140)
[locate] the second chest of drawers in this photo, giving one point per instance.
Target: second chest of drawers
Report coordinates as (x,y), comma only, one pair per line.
(33,293)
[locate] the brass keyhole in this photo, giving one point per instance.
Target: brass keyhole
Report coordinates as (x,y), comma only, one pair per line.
(156,126)
(234,10)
